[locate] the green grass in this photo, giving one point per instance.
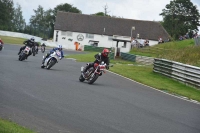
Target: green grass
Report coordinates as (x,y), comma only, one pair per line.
(10,127)
(145,75)
(181,51)
(12,40)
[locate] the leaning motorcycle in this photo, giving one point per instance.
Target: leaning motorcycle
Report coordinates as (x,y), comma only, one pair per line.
(42,49)
(52,59)
(24,53)
(1,46)
(33,50)
(92,74)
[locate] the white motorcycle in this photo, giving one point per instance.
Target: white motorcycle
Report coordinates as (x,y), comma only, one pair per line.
(52,59)
(24,53)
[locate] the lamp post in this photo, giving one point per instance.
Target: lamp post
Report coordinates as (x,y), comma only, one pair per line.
(132,28)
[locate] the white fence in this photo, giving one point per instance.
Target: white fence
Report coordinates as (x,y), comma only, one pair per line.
(185,73)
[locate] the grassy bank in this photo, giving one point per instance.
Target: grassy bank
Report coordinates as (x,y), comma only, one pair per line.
(12,40)
(10,127)
(145,75)
(181,51)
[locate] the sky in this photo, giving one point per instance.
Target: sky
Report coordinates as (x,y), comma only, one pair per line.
(129,9)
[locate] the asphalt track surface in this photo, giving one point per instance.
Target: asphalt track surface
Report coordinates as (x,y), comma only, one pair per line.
(54,101)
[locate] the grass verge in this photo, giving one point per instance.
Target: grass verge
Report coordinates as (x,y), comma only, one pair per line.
(10,127)
(12,40)
(145,75)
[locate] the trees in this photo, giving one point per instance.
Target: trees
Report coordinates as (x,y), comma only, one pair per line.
(6,14)
(42,22)
(179,16)
(18,21)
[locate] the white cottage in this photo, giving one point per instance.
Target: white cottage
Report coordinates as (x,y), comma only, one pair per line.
(103,31)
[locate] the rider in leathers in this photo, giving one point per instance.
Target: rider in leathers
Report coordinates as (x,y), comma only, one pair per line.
(30,43)
(54,49)
(103,56)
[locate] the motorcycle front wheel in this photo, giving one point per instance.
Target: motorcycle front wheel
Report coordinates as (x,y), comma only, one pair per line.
(81,79)
(22,57)
(51,63)
(93,79)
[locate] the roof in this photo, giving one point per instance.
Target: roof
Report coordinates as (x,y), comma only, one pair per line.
(75,22)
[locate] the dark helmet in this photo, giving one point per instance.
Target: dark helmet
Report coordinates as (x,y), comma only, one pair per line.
(32,39)
(105,52)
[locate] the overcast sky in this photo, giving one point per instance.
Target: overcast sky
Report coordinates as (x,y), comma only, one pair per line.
(131,9)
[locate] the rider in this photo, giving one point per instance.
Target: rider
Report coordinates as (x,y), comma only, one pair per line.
(43,45)
(103,56)
(36,46)
(53,50)
(30,43)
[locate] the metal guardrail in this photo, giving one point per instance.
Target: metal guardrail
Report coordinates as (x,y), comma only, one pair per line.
(197,40)
(187,74)
(127,56)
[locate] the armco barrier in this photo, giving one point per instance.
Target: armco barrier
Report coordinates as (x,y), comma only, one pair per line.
(129,57)
(187,74)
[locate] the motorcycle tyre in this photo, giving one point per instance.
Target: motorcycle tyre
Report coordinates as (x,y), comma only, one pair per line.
(21,58)
(94,79)
(50,64)
(81,79)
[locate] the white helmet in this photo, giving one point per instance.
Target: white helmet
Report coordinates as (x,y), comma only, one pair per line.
(59,47)
(32,39)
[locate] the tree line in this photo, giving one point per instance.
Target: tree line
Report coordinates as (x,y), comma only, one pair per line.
(179,16)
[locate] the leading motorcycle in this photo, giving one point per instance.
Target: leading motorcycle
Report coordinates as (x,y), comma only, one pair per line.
(52,59)
(92,74)
(24,53)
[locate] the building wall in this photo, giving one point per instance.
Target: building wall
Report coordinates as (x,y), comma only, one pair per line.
(104,41)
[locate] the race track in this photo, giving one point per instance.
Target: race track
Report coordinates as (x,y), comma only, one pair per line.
(54,101)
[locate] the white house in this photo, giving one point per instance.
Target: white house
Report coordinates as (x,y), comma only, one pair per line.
(103,31)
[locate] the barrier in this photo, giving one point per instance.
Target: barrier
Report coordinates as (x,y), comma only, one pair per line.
(190,75)
(129,57)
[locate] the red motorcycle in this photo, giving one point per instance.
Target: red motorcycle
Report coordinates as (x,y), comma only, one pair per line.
(92,74)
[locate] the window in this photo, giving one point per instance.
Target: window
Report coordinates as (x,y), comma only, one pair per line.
(63,33)
(89,35)
(69,33)
(110,38)
(124,46)
(66,33)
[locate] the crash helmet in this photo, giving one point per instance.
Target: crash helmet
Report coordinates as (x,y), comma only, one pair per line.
(32,39)
(105,52)
(59,47)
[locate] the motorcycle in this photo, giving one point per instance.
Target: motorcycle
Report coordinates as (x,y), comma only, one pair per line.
(24,53)
(92,74)
(52,59)
(1,46)
(42,49)
(35,50)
